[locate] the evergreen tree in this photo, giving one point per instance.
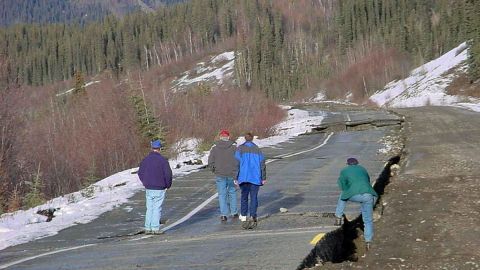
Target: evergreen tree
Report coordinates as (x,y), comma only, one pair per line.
(473,33)
(34,196)
(148,124)
(79,86)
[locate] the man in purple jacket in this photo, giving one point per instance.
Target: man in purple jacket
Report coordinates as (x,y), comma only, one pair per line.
(156,177)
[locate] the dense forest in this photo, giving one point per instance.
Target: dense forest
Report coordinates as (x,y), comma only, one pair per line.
(284,50)
(70,11)
(282,46)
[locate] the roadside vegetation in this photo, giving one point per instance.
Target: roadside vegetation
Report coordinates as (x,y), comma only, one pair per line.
(53,145)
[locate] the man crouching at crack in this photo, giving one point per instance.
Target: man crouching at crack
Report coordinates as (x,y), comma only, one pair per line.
(354,182)
(251,175)
(156,176)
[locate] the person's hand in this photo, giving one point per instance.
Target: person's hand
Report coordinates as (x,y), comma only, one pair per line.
(235,182)
(264,182)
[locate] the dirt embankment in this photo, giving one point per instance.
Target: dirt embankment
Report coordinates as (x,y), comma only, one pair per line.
(431,212)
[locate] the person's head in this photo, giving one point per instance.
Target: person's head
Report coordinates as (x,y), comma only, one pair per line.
(352,161)
(249,136)
(224,135)
(156,145)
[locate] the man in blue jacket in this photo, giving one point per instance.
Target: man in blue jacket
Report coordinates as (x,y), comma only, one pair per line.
(156,177)
(251,175)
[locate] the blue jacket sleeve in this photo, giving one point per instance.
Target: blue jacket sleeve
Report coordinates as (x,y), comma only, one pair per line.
(263,167)
(238,155)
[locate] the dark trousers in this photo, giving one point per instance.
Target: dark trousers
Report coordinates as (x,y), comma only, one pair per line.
(252,190)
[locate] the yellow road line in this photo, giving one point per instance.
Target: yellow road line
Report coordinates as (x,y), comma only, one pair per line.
(317,238)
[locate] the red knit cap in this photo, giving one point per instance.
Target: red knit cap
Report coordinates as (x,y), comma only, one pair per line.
(224,133)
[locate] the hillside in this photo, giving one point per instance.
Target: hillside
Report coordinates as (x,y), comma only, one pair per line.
(66,11)
(428,84)
(286,49)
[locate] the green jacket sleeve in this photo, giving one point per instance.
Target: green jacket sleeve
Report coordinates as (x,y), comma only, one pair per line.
(342,181)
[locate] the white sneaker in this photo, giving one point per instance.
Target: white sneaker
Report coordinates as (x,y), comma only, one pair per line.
(242,218)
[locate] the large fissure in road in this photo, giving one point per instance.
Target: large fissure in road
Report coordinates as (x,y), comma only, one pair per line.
(341,244)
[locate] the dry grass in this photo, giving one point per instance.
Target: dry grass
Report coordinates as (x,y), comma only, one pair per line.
(81,137)
(367,71)
(73,138)
(463,86)
(201,116)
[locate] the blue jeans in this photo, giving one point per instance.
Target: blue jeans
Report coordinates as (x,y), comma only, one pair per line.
(227,195)
(154,200)
(366,201)
(252,190)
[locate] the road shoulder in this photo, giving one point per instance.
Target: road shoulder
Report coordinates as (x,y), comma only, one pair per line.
(431,209)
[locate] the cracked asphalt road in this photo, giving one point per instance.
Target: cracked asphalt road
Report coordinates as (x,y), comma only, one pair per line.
(304,183)
(432,207)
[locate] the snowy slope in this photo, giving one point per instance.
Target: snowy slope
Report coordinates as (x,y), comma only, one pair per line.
(86,205)
(427,84)
(216,70)
(72,89)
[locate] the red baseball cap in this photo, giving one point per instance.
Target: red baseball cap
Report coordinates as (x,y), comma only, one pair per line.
(224,133)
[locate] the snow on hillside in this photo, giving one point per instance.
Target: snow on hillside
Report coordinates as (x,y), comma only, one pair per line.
(215,70)
(320,97)
(72,89)
(86,205)
(426,84)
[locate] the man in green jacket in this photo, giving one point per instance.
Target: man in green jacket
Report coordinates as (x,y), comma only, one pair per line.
(354,182)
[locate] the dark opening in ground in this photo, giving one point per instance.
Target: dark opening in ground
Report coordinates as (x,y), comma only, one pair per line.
(339,245)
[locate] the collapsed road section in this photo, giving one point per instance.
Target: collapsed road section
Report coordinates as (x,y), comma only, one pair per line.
(341,245)
(345,243)
(302,179)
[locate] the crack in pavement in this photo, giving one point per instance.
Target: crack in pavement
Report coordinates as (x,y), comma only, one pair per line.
(178,222)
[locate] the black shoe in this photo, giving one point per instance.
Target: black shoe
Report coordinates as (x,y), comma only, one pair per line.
(250,224)
(246,224)
(236,216)
(253,224)
(338,222)
(223,218)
